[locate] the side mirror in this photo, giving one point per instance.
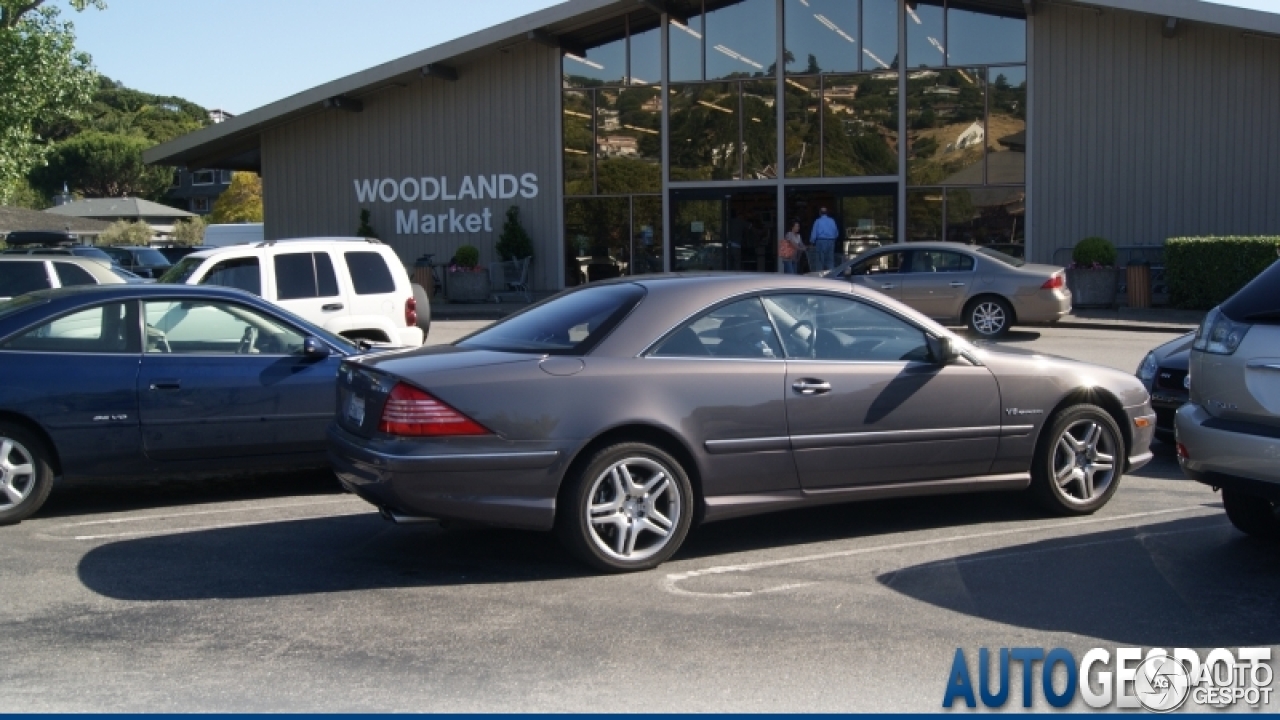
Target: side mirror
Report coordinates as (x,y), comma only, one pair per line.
(315,348)
(942,350)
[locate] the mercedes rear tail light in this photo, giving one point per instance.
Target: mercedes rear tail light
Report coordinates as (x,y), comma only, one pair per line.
(414,413)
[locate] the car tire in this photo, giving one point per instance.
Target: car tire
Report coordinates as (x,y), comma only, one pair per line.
(1252,515)
(988,316)
(26,473)
(424,309)
(1078,461)
(629,508)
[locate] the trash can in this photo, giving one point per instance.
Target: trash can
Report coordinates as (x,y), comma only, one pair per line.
(1138,280)
(422,273)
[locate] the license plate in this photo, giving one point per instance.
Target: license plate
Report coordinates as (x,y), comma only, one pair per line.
(355,409)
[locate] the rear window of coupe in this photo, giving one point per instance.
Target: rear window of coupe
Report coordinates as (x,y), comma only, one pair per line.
(570,324)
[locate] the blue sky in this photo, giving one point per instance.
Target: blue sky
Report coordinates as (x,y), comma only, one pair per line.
(241,54)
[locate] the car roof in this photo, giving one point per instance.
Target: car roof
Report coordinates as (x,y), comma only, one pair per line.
(303,243)
(143,291)
(73,259)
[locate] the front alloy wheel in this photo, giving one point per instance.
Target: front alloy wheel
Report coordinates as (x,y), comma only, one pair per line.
(1078,461)
(629,509)
(25,475)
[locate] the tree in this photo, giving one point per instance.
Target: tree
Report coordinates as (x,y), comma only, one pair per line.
(241,202)
(514,243)
(42,78)
(97,164)
(124,232)
(189,232)
(365,230)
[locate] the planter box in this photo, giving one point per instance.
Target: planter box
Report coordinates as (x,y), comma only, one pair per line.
(1092,288)
(467,287)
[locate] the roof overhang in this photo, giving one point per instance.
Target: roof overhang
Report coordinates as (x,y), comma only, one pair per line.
(235,144)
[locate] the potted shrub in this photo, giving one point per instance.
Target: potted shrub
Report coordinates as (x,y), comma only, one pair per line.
(1092,275)
(465,280)
(514,243)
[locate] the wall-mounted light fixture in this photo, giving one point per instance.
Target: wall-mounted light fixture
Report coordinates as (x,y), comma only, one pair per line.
(1170,28)
(342,102)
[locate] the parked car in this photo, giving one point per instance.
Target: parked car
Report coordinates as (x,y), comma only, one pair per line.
(1164,372)
(21,275)
(982,288)
(622,412)
(175,253)
(156,380)
(86,251)
(1229,430)
(142,261)
(352,287)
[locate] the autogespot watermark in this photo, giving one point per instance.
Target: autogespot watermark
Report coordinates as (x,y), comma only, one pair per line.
(1157,680)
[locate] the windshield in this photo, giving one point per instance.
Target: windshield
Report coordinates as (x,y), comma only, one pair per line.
(147,256)
(1259,301)
(180,273)
(569,324)
(1006,259)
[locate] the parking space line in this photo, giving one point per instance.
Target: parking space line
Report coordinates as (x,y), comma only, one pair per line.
(170,516)
(672,580)
(203,528)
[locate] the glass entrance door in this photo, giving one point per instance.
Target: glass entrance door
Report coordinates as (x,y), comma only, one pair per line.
(866,215)
(715,230)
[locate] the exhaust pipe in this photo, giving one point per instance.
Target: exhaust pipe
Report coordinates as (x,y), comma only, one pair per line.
(403,519)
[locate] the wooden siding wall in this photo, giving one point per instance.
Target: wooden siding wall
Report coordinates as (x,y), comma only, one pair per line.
(1139,138)
(499,117)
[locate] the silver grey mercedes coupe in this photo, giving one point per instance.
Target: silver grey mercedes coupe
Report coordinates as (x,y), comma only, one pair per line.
(622,413)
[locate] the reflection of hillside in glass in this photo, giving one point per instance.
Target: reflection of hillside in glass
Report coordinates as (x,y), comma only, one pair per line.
(576,108)
(628,140)
(1007,126)
(708,139)
(856,135)
(946,130)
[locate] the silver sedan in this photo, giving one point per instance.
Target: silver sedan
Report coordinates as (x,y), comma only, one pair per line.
(624,412)
(985,289)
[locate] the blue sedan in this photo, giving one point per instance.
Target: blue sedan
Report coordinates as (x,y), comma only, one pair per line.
(157,380)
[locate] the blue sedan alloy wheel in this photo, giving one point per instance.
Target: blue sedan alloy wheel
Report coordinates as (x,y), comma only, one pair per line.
(25,475)
(629,509)
(1078,461)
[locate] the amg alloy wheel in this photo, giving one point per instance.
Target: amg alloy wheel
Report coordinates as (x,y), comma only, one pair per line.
(628,510)
(1078,461)
(25,475)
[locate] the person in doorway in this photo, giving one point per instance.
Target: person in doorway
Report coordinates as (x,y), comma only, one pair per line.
(790,248)
(823,236)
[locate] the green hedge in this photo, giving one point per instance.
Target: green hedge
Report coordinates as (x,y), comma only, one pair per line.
(1201,272)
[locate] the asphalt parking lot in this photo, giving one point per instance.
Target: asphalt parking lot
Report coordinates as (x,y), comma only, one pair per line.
(284,594)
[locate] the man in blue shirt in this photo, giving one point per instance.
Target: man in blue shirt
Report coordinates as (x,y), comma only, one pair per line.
(823,236)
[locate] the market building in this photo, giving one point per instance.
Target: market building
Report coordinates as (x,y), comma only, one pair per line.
(646,135)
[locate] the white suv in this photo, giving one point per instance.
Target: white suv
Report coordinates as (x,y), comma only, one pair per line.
(354,287)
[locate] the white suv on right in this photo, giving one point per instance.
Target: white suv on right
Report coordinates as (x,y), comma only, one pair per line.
(354,287)
(1229,432)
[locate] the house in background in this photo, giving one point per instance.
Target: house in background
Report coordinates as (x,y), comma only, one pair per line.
(196,192)
(16,219)
(160,217)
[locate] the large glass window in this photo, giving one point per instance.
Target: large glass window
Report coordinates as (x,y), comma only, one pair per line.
(646,52)
(926,34)
(604,64)
(705,132)
(860,125)
(597,238)
(946,126)
(629,140)
(980,34)
(802,96)
(879,34)
(1007,125)
(987,216)
(924,215)
(741,39)
(684,41)
(822,36)
(578,129)
(759,129)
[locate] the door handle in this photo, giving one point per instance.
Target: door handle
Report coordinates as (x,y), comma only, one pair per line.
(888,286)
(331,307)
(811,387)
(166,385)
(957,284)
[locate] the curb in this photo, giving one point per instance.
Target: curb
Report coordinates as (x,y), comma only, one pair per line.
(1124,327)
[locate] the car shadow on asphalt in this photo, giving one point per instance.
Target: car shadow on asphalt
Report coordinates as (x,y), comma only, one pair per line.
(361,552)
(91,497)
(1193,582)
